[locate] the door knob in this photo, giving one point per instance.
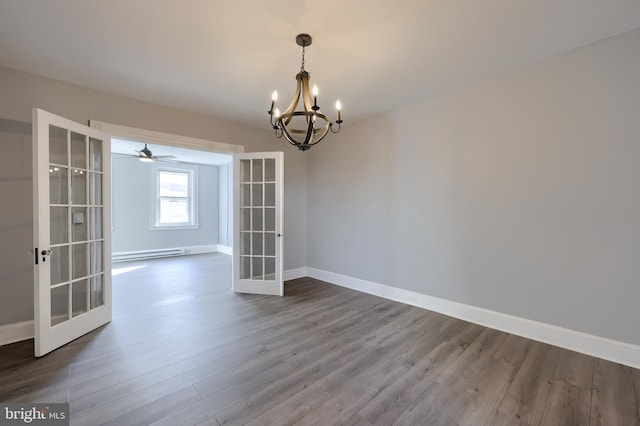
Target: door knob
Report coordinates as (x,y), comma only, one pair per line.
(46,252)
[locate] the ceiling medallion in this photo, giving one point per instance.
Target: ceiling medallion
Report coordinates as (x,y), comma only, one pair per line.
(306,127)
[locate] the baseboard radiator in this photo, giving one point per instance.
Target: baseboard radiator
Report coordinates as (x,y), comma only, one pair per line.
(146,254)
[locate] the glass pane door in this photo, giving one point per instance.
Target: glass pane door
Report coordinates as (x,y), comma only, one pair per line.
(70,230)
(258,223)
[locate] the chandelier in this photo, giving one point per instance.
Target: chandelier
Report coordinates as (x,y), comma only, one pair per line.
(306,127)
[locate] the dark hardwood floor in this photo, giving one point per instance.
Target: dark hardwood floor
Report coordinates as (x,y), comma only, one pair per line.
(183,349)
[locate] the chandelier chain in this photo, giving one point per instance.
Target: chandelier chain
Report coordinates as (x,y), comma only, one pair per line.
(302,64)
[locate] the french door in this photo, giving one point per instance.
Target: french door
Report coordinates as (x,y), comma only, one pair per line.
(258,180)
(72,230)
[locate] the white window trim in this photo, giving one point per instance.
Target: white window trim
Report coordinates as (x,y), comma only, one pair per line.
(192,170)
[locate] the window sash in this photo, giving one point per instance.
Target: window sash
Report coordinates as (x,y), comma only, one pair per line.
(175,204)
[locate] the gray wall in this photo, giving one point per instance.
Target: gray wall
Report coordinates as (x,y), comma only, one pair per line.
(519,194)
(133,193)
(16,223)
(21,92)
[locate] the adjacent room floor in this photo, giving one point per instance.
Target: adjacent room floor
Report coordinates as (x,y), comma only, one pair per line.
(183,349)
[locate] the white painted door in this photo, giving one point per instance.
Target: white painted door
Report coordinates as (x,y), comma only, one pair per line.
(258,183)
(72,230)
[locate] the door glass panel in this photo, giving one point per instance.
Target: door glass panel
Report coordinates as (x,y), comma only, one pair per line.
(245,243)
(269,170)
(245,267)
(58,146)
(95,189)
(256,224)
(256,244)
(245,170)
(270,194)
(59,267)
(256,268)
(58,185)
(59,231)
(79,224)
(78,151)
(59,304)
(95,223)
(269,219)
(269,244)
(245,194)
(96,258)
(95,154)
(256,194)
(96,296)
(79,260)
(269,268)
(78,187)
(245,218)
(256,172)
(79,297)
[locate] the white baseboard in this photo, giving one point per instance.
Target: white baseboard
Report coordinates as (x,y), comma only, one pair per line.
(205,248)
(293,274)
(224,249)
(11,333)
(612,350)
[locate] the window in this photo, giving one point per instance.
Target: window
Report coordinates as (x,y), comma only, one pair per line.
(175,205)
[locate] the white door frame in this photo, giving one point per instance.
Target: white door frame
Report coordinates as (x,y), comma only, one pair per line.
(168,139)
(133,133)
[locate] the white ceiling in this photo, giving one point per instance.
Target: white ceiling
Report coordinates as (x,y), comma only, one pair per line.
(225,58)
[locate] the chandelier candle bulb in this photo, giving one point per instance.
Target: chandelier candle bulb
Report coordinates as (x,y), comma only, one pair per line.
(274,98)
(314,91)
(338,107)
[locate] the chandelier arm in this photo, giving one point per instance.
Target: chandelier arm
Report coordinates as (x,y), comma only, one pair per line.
(322,131)
(288,136)
(295,100)
(288,133)
(309,136)
(331,127)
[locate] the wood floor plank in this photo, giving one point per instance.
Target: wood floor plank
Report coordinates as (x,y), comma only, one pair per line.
(159,408)
(182,349)
(525,400)
(469,395)
(569,400)
(613,400)
(391,402)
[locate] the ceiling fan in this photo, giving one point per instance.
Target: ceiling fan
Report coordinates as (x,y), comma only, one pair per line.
(145,154)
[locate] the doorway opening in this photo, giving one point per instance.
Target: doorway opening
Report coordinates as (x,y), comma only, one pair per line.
(179,203)
(168,202)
